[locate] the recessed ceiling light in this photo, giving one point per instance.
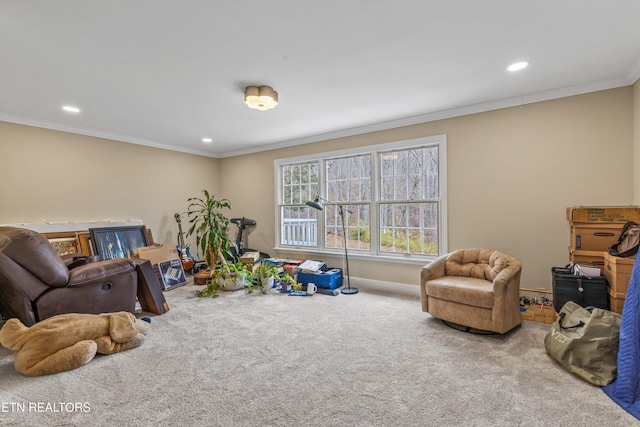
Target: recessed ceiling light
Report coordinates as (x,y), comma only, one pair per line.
(207,140)
(70,109)
(518,66)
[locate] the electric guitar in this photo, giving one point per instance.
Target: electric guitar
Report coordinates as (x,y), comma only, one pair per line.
(187,260)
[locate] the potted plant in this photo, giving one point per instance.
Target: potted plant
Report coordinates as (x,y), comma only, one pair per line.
(231,277)
(285,282)
(210,226)
(263,276)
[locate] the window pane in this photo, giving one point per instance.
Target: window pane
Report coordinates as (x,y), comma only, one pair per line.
(299,183)
(357,227)
(349,179)
(409,228)
(405,198)
(409,174)
(299,226)
(431,183)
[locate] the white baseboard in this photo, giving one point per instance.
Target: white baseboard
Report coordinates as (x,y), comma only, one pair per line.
(379,286)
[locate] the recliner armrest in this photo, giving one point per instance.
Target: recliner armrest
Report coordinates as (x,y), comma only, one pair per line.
(101,270)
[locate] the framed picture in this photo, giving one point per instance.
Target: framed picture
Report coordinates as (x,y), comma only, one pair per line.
(118,242)
(63,243)
(84,239)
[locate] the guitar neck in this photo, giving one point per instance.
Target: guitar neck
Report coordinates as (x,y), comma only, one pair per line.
(180,233)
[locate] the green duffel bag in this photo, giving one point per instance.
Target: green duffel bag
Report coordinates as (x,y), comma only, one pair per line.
(586,342)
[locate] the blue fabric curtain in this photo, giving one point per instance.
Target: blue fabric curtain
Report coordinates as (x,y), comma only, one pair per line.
(625,390)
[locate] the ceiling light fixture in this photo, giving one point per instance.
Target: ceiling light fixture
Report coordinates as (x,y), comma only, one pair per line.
(260,98)
(207,140)
(518,66)
(70,109)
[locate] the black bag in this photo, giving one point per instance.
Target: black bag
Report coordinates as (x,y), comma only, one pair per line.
(583,290)
(628,242)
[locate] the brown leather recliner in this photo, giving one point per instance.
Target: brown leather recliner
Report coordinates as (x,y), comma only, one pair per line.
(476,288)
(36,284)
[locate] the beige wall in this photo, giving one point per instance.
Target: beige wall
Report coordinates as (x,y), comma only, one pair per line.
(511,174)
(59,176)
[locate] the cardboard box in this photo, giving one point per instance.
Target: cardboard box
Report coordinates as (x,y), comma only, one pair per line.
(617,270)
(539,313)
(158,253)
(253,267)
(291,268)
(249,257)
(595,236)
(615,304)
(603,214)
(578,256)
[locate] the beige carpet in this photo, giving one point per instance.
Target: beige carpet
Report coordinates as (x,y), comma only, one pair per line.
(276,360)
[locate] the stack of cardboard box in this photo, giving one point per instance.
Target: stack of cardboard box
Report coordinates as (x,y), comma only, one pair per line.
(593,230)
(617,270)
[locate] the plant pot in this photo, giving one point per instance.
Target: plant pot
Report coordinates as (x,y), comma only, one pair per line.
(233,283)
(266,283)
(285,286)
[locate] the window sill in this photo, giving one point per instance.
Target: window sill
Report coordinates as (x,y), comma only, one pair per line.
(310,253)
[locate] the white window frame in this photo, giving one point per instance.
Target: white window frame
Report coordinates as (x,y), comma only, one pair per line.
(373,151)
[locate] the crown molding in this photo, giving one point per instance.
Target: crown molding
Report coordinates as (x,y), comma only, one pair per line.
(98,134)
(515,101)
(630,78)
(634,72)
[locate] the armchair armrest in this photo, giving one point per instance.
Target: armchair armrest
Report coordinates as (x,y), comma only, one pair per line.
(433,270)
(69,258)
(90,273)
(507,276)
(506,291)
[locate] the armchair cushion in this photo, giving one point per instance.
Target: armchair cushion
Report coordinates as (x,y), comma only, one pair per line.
(479,263)
(465,290)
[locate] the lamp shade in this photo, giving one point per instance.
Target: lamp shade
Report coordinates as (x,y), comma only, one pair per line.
(315,203)
(260,97)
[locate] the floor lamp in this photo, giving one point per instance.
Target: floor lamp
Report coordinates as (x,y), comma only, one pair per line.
(315,203)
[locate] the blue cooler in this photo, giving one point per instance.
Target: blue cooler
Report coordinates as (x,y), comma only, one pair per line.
(330,279)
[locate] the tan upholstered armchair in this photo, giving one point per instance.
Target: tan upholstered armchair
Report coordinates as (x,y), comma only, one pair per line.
(35,283)
(476,288)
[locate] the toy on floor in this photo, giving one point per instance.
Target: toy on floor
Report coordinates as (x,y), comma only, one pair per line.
(68,341)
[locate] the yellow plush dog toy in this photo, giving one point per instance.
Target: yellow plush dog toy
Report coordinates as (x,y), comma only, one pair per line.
(68,341)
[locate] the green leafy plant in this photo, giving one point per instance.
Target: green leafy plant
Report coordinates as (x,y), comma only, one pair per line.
(210,291)
(296,286)
(210,227)
(285,278)
(236,272)
(232,276)
(261,276)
